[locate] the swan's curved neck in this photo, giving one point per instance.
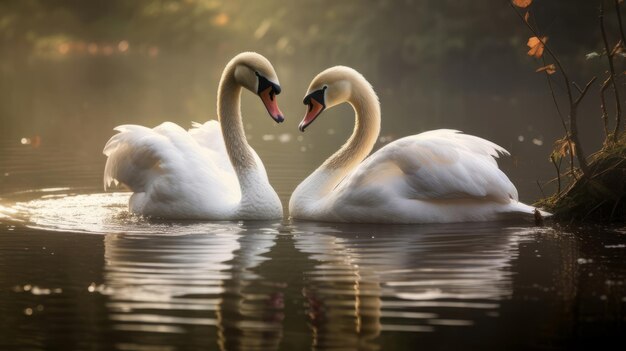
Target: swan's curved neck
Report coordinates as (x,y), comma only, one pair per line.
(364,101)
(366,129)
(229,115)
(239,151)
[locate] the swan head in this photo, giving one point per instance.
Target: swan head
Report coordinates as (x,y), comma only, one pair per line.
(255,73)
(329,88)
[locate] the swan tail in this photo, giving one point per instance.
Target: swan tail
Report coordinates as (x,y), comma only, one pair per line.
(520,207)
(133,157)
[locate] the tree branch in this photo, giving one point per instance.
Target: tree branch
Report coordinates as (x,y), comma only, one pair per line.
(558,173)
(556,103)
(609,54)
(619,20)
(580,91)
(584,91)
(573,134)
(605,113)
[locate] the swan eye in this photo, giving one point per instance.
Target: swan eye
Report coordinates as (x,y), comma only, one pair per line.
(318,96)
(264,84)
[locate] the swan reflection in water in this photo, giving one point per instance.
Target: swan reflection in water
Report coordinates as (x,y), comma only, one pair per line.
(358,281)
(402,278)
(203,285)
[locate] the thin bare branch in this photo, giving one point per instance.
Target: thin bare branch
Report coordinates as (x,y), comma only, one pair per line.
(584,91)
(614,208)
(571,159)
(609,54)
(558,174)
(580,91)
(605,113)
(619,20)
(556,103)
(540,188)
(575,141)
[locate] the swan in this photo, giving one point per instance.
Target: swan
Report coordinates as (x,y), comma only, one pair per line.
(439,176)
(209,172)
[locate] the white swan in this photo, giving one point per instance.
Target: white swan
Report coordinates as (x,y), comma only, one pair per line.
(433,177)
(204,173)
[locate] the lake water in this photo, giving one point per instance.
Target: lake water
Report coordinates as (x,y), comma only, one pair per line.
(77,271)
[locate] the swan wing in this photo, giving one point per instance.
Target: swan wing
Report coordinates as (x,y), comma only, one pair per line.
(165,157)
(435,165)
(209,136)
(133,154)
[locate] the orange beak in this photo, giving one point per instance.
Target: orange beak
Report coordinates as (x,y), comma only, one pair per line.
(269,100)
(315,108)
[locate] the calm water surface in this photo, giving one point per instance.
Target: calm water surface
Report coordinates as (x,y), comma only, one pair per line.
(77,271)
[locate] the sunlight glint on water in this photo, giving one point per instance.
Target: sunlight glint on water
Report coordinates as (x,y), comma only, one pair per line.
(60,209)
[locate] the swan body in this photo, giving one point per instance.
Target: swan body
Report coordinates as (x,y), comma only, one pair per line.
(208,172)
(440,176)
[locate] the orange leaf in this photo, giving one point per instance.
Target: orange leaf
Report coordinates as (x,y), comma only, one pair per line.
(550,69)
(536,46)
(563,147)
(522,3)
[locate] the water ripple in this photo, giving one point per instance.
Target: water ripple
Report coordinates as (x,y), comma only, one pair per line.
(73,210)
